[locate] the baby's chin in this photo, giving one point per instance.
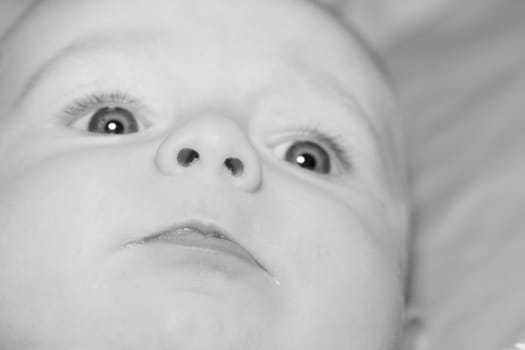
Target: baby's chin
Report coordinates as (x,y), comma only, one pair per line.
(197,297)
(186,320)
(195,307)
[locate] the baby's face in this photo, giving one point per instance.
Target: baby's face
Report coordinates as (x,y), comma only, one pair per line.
(195,175)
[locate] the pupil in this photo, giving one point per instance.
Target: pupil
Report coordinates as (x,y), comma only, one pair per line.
(114,127)
(306,161)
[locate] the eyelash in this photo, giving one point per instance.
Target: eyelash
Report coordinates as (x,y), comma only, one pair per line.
(79,107)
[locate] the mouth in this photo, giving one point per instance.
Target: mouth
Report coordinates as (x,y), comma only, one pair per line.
(204,238)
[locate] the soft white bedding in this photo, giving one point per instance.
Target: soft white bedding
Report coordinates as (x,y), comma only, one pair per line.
(462,82)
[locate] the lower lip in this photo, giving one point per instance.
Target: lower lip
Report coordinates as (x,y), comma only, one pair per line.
(197,249)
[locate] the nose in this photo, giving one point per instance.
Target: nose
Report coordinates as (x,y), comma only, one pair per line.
(214,145)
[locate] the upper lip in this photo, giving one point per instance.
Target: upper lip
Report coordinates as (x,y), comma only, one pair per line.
(206,229)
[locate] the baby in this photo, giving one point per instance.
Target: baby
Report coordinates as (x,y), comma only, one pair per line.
(180,174)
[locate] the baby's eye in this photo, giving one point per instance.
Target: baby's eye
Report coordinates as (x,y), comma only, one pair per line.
(313,150)
(113,120)
(310,156)
(112,113)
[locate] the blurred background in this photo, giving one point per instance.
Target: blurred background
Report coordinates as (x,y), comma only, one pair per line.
(459,68)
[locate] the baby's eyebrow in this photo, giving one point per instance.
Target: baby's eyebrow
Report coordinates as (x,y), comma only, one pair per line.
(82,48)
(43,70)
(79,49)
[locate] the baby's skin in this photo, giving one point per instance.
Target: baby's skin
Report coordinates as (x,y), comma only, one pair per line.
(191,175)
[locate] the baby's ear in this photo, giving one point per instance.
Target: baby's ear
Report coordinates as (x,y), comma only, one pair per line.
(415,336)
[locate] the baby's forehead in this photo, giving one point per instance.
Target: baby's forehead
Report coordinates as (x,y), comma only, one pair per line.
(293,30)
(289,25)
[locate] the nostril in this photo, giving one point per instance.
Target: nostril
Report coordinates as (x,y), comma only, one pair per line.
(187,156)
(235,166)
